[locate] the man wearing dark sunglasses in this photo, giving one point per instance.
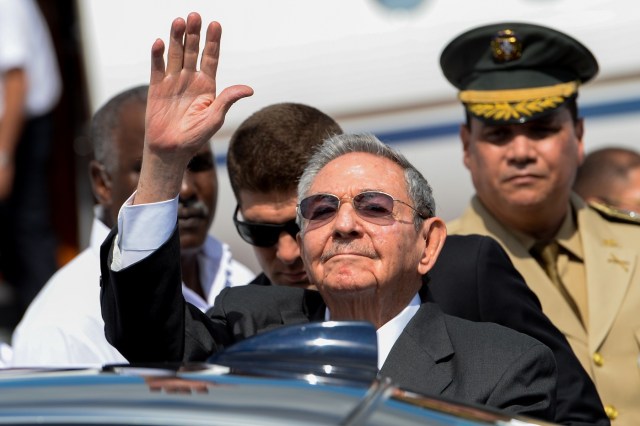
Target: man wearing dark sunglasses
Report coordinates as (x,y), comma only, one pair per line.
(266,156)
(473,280)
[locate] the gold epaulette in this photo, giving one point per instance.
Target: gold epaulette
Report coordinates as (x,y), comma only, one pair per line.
(614,213)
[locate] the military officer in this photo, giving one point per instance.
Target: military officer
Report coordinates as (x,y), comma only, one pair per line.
(522,143)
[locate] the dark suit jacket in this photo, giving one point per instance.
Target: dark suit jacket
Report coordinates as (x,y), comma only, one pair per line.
(147,320)
(474,278)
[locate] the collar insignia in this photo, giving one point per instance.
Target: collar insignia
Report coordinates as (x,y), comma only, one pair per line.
(624,264)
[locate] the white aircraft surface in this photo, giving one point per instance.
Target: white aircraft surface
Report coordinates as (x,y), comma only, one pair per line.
(371,64)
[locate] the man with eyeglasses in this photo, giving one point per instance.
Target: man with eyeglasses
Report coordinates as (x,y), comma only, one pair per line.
(367,265)
(472,279)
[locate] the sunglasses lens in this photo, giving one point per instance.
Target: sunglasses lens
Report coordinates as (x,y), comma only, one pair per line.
(258,235)
(319,206)
(369,205)
(264,234)
(373,204)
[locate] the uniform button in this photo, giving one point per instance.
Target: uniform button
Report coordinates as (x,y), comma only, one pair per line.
(598,359)
(611,412)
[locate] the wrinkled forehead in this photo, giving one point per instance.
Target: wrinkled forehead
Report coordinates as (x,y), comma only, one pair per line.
(353,173)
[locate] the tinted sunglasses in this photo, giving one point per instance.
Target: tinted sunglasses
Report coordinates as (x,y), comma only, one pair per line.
(373,206)
(263,234)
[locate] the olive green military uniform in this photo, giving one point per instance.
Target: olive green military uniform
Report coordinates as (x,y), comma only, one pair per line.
(608,343)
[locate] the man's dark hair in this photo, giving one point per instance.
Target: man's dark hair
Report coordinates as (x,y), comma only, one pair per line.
(105,122)
(602,169)
(270,149)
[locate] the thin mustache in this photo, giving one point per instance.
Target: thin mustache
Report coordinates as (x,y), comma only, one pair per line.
(338,248)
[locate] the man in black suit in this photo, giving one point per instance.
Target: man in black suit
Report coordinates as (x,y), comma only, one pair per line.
(365,249)
(473,278)
(366,252)
(490,284)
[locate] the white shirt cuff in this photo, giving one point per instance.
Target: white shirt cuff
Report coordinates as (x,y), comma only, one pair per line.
(142,229)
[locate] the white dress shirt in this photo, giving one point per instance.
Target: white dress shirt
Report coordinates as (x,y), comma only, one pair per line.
(389,332)
(64,325)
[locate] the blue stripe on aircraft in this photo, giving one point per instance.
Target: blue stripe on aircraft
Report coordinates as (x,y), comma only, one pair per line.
(430,132)
(399,136)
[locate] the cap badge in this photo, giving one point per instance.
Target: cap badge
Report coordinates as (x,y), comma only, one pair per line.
(506,46)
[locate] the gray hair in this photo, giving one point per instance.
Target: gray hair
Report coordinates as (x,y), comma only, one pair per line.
(336,146)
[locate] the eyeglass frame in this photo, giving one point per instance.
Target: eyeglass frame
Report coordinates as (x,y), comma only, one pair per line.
(358,211)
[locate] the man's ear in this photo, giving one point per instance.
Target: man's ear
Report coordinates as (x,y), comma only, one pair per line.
(465,137)
(434,232)
(100,183)
(579,131)
(299,241)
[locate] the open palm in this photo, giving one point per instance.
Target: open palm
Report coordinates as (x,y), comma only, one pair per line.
(183,110)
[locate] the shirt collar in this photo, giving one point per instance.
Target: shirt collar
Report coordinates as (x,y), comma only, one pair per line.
(389,332)
(567,236)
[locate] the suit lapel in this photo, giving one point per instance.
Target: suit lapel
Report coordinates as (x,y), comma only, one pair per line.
(420,360)
(609,268)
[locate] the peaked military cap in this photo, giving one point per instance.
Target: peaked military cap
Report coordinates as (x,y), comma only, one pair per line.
(513,72)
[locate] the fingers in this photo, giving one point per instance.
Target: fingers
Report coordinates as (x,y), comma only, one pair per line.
(192,42)
(231,95)
(184,45)
(211,50)
(218,111)
(176,47)
(157,62)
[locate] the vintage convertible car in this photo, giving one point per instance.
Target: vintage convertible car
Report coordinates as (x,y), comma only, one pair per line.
(313,374)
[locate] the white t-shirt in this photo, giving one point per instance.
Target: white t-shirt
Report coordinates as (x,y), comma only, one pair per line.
(25,43)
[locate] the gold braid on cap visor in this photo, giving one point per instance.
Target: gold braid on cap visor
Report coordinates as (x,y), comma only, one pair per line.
(516,103)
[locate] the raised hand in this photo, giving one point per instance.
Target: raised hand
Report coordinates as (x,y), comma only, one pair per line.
(183,110)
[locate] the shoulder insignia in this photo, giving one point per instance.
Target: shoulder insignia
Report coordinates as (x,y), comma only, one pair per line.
(614,214)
